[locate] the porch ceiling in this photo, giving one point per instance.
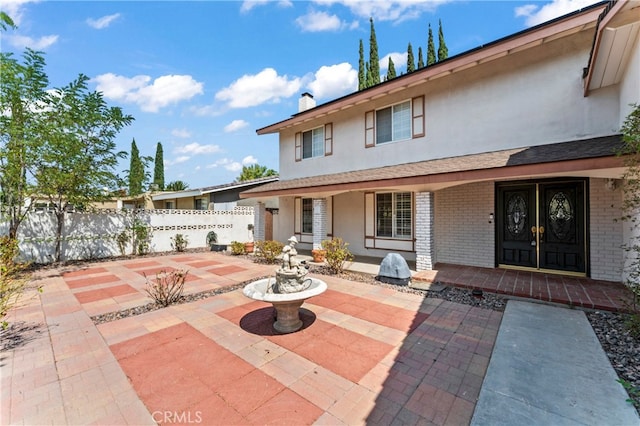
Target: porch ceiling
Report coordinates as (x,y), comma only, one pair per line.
(588,158)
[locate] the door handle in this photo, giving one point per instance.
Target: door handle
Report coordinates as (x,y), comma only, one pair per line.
(541,232)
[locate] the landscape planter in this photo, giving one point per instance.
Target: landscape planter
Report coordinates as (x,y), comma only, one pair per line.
(318,255)
(248,247)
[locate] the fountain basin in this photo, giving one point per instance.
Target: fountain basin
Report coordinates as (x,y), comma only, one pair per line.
(287,305)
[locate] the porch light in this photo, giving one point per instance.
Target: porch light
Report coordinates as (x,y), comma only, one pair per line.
(490,217)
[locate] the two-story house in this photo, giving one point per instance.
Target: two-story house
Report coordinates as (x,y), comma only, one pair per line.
(502,156)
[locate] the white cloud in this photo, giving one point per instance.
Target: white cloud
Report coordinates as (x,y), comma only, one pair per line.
(15,9)
(249,160)
(334,80)
(397,11)
(247,5)
(235,125)
(21,41)
(399,61)
(196,148)
(319,21)
(150,96)
(232,166)
(253,90)
(176,160)
(535,14)
(102,22)
(181,133)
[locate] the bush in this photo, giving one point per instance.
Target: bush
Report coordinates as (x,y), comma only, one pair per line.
(11,280)
(337,254)
(268,251)
(179,242)
(166,288)
(237,248)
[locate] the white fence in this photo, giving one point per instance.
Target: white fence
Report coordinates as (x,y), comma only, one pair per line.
(94,235)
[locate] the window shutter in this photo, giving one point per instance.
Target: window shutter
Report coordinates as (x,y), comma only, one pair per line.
(369,220)
(328,139)
(369,129)
(418,116)
(298,147)
(297,216)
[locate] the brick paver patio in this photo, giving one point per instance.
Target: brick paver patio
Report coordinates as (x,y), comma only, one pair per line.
(366,354)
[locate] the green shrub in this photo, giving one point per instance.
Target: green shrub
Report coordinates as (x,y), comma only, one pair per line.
(337,254)
(166,288)
(237,248)
(268,251)
(179,242)
(12,281)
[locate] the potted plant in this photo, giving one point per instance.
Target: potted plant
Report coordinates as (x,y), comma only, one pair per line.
(212,241)
(318,255)
(248,247)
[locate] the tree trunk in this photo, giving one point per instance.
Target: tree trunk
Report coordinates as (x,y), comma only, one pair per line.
(60,224)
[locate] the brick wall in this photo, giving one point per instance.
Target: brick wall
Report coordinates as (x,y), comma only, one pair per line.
(463,233)
(605,233)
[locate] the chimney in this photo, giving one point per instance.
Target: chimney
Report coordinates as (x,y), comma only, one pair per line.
(306,102)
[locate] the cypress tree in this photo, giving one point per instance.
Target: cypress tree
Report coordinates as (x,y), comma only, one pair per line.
(367,78)
(443,52)
(431,49)
(420,58)
(158,169)
(374,61)
(411,63)
(362,77)
(391,70)
(136,171)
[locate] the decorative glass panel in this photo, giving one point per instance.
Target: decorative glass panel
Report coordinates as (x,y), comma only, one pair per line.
(516,215)
(561,216)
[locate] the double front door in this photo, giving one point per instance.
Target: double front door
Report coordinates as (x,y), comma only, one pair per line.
(542,225)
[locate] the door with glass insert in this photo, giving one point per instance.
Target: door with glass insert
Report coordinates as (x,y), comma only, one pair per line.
(542,225)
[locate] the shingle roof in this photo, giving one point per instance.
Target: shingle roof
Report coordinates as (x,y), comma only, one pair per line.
(606,146)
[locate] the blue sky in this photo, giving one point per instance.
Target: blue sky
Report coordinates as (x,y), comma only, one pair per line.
(200,77)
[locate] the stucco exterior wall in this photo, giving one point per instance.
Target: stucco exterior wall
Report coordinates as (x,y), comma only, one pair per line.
(630,84)
(531,98)
(605,232)
(463,234)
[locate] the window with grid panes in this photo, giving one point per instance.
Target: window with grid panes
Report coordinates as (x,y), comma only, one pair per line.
(307,215)
(394,215)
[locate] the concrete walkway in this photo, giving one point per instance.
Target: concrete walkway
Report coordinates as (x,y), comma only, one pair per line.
(548,368)
(365,355)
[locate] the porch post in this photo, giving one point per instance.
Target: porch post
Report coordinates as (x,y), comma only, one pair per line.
(259,213)
(425,247)
(319,222)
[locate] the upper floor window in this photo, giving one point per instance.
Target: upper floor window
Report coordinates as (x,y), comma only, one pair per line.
(313,143)
(393,215)
(393,123)
(401,121)
(169,205)
(316,142)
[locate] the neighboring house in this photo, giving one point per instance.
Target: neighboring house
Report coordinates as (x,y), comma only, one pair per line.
(219,197)
(503,156)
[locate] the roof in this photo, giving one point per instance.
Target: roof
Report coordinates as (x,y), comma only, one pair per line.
(211,189)
(455,168)
(584,19)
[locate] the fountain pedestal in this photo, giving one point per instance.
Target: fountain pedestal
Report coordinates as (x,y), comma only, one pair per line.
(287,305)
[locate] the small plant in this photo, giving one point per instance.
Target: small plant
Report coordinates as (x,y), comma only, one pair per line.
(166,288)
(141,237)
(122,239)
(633,391)
(212,238)
(179,242)
(12,282)
(337,254)
(237,248)
(268,251)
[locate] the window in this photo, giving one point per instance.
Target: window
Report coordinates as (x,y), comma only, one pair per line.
(169,205)
(307,216)
(313,143)
(201,204)
(393,215)
(393,123)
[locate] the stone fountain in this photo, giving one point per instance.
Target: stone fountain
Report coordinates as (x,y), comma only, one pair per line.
(288,291)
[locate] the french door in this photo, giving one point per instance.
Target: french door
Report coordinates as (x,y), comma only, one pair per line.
(542,225)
